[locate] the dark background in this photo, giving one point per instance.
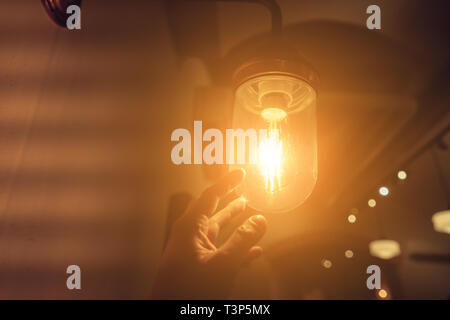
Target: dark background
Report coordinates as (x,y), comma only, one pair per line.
(85,124)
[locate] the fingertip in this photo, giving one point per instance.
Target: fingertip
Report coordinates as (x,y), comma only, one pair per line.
(257,251)
(243,201)
(259,221)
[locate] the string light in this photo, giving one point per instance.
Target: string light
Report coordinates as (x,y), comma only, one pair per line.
(384,191)
(383,249)
(351,218)
(349,254)
(402,175)
(327,264)
(382,294)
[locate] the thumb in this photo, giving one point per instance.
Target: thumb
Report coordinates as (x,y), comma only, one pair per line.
(239,245)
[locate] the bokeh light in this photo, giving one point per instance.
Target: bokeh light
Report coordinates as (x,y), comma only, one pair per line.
(384,249)
(351,218)
(348,254)
(384,191)
(327,264)
(402,175)
(372,203)
(382,294)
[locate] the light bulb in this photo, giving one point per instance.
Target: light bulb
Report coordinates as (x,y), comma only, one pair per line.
(281,109)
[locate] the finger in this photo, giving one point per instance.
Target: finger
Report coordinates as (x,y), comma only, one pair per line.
(221,218)
(207,203)
(252,254)
(245,237)
(232,209)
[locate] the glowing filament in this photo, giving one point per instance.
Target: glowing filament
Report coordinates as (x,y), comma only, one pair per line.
(270,157)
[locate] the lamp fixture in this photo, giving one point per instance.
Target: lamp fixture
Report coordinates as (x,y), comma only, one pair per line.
(351,218)
(283,104)
(441,221)
(275,93)
(348,254)
(384,249)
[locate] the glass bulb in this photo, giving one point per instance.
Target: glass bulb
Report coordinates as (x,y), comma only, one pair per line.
(281,110)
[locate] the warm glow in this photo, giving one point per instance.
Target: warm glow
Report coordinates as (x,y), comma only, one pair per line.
(270,158)
(349,254)
(384,191)
(402,175)
(441,221)
(382,294)
(281,165)
(384,249)
(273,114)
(372,203)
(351,218)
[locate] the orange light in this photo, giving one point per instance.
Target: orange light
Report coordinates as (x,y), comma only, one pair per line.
(327,264)
(384,249)
(372,203)
(441,221)
(384,191)
(270,158)
(402,175)
(382,294)
(351,218)
(349,254)
(281,162)
(273,114)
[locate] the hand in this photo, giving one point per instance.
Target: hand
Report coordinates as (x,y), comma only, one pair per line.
(192,266)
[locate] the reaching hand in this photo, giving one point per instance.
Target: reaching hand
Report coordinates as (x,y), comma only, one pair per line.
(192,267)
